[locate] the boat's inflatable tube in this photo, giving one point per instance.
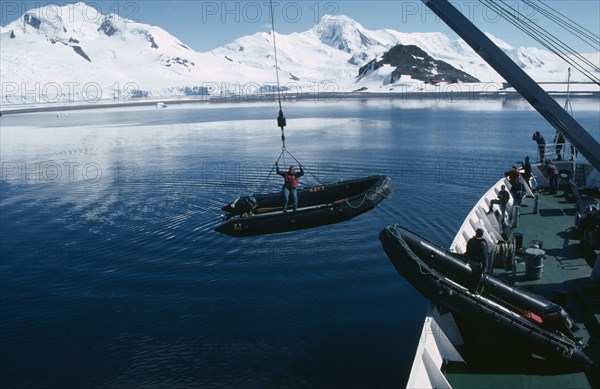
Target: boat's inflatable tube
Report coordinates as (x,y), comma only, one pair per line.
(317,206)
(440,276)
(456,269)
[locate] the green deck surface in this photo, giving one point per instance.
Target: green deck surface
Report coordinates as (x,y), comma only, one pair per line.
(496,362)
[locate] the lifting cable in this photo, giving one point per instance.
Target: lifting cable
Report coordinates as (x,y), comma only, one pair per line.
(281,118)
(281,122)
(282,155)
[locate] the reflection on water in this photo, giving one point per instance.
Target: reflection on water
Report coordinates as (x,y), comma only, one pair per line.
(111,274)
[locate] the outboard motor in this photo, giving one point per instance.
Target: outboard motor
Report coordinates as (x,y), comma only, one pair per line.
(556,319)
(241,206)
(247,204)
(244,205)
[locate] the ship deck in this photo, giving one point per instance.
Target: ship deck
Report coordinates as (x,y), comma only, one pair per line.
(497,362)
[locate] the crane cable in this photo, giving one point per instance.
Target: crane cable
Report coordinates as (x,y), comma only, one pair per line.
(281,122)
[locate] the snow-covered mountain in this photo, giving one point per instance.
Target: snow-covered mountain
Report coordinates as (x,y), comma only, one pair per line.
(75,53)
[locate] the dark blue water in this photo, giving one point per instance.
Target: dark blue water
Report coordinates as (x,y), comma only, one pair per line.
(111,275)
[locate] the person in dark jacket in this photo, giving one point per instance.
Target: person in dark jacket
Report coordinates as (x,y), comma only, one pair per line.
(559,141)
(502,201)
(541,142)
(516,188)
(290,185)
(552,177)
(527,171)
(477,256)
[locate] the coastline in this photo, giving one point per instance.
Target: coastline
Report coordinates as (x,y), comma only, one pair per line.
(448,96)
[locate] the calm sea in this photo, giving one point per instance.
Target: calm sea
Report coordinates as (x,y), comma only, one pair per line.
(111,275)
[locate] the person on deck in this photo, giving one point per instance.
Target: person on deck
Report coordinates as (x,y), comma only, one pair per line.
(477,257)
(502,201)
(541,142)
(559,141)
(516,188)
(552,177)
(290,185)
(527,171)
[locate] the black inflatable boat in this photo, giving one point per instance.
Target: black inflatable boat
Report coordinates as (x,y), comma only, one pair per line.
(499,307)
(317,206)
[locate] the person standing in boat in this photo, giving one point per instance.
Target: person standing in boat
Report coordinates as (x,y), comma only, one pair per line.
(541,142)
(290,185)
(477,257)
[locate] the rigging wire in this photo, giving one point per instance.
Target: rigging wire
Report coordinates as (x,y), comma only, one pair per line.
(282,157)
(569,108)
(270,173)
(543,33)
(567,50)
(304,168)
(547,39)
(542,36)
(567,23)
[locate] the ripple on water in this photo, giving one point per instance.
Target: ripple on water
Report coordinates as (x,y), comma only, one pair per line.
(120,280)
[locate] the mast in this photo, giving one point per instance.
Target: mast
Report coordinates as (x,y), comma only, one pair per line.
(518,79)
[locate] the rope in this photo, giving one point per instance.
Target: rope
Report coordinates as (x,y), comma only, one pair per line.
(282,157)
(503,256)
(303,168)
(417,260)
(365,197)
(270,173)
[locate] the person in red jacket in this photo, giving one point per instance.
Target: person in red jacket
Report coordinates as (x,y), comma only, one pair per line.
(290,185)
(516,188)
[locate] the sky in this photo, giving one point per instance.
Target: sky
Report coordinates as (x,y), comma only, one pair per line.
(205,25)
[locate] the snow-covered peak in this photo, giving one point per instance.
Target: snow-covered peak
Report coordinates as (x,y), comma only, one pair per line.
(53,20)
(499,42)
(83,24)
(72,47)
(75,46)
(343,33)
